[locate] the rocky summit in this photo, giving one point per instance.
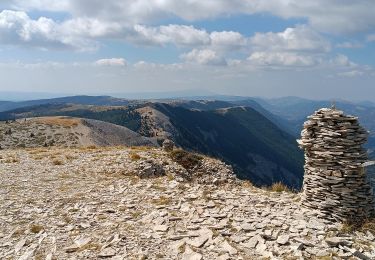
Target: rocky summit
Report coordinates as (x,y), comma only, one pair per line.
(147,203)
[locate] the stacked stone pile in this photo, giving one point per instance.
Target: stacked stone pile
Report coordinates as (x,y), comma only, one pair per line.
(335,181)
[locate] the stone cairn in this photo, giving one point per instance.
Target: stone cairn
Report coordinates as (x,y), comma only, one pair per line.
(335,183)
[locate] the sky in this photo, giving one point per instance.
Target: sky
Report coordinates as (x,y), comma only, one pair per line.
(315,49)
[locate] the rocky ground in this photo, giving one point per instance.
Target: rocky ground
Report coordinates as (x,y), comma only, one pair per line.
(138,203)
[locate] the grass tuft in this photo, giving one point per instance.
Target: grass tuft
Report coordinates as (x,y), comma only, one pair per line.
(57,161)
(134,156)
(162,200)
(279,187)
(36,228)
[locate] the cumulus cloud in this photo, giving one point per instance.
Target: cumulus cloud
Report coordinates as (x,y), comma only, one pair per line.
(87,22)
(176,34)
(203,57)
(120,62)
(17,28)
(342,61)
(300,38)
(300,46)
(281,59)
(324,15)
(228,39)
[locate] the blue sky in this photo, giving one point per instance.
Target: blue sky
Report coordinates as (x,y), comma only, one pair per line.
(319,49)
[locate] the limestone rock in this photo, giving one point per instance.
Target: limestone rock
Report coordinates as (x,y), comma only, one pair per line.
(283,239)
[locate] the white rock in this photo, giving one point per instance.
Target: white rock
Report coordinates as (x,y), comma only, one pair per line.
(161,228)
(228,248)
(189,254)
(283,239)
(107,252)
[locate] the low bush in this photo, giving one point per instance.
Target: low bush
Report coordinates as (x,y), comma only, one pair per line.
(185,159)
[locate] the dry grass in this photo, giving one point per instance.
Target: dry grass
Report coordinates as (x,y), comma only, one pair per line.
(11,159)
(134,156)
(141,148)
(364,226)
(369,225)
(162,200)
(71,157)
(61,121)
(36,228)
(88,148)
(247,184)
(57,161)
(279,187)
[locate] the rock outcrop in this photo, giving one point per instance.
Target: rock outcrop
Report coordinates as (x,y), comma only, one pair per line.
(168,145)
(335,182)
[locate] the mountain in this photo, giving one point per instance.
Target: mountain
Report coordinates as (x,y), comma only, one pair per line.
(295,110)
(241,136)
(67,132)
(83,100)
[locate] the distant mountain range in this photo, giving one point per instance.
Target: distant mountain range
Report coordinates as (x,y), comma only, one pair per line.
(255,135)
(294,110)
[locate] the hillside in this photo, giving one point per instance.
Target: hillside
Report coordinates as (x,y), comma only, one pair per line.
(66,132)
(258,149)
(140,204)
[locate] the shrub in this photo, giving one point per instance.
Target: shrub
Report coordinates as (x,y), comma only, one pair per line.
(185,159)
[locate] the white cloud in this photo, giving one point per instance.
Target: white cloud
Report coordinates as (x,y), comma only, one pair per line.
(294,47)
(325,15)
(342,61)
(176,34)
(90,21)
(17,28)
(203,57)
(228,39)
(281,59)
(121,62)
(300,38)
